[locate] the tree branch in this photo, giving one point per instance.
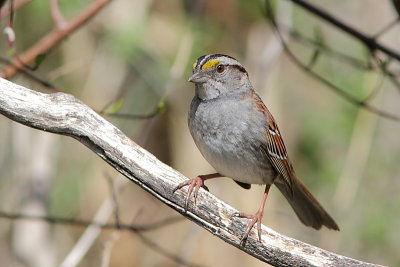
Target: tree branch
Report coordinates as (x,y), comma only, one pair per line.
(308,69)
(86,223)
(52,39)
(136,229)
(56,14)
(6,10)
(64,114)
(368,41)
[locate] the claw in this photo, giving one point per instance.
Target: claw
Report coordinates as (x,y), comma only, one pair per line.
(185,183)
(194,187)
(243,240)
(254,219)
(195,196)
(236,214)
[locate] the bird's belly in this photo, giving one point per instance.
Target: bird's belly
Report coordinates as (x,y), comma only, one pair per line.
(234,153)
(238,165)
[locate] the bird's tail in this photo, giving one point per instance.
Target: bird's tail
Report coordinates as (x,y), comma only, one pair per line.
(306,206)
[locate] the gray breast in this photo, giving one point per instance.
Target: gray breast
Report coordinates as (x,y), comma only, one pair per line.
(230,135)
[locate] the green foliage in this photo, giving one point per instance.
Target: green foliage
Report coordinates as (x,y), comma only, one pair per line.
(129,57)
(253,10)
(39,60)
(11,51)
(375,231)
(71,8)
(162,107)
(115,107)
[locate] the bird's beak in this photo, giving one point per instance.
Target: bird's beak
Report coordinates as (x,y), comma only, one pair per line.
(198,77)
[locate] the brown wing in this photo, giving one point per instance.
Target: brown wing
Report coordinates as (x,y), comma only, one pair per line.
(275,148)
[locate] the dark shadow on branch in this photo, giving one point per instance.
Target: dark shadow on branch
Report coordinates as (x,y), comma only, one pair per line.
(64,114)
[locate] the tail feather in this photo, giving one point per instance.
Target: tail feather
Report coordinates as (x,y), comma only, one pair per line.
(306,206)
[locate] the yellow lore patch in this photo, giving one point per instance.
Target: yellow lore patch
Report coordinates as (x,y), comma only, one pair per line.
(210,64)
(194,65)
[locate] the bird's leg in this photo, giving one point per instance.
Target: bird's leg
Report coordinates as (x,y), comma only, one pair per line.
(254,219)
(194,186)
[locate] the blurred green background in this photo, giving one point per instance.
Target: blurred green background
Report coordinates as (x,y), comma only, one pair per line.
(134,57)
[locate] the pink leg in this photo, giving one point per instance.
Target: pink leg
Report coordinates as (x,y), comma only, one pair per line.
(195,184)
(255,219)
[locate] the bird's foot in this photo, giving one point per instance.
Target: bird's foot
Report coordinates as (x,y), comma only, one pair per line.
(254,219)
(194,187)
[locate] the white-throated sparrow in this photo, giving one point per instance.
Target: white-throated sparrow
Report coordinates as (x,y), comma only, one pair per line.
(238,136)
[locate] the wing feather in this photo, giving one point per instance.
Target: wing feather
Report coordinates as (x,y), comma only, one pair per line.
(275,147)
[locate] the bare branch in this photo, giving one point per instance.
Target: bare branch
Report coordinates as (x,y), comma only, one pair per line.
(64,114)
(56,14)
(150,243)
(33,77)
(13,6)
(114,199)
(353,61)
(368,41)
(133,116)
(340,91)
(86,223)
(52,39)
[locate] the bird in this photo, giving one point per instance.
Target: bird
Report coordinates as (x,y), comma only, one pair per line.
(237,134)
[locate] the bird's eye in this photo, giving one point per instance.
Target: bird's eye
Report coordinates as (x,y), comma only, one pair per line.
(220,68)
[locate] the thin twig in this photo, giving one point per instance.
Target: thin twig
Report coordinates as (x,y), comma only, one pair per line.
(137,229)
(133,116)
(356,62)
(150,243)
(114,199)
(12,7)
(323,80)
(86,223)
(386,28)
(56,15)
(34,78)
(368,41)
(107,248)
(376,89)
(353,61)
(63,114)
(52,39)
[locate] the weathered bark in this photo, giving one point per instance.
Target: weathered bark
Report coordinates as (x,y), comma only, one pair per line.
(64,114)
